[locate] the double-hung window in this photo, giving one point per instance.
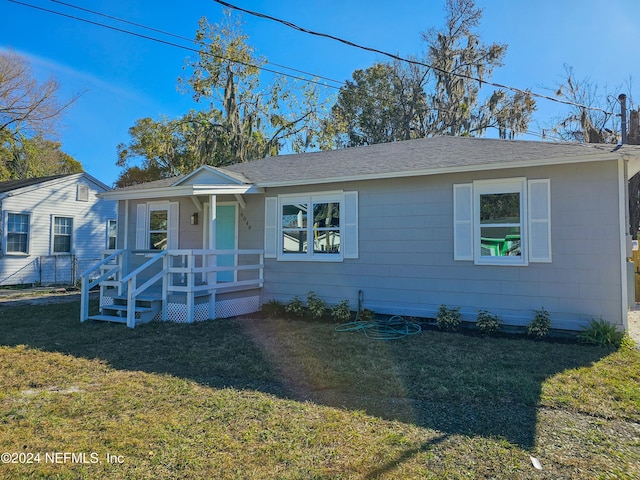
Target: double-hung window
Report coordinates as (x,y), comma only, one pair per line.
(502,222)
(17,240)
(62,231)
(499,222)
(313,227)
(158,228)
(112,234)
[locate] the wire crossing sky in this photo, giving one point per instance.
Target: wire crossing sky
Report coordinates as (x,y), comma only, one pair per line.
(127,55)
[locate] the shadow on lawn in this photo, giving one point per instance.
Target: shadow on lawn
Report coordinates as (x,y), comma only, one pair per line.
(446,382)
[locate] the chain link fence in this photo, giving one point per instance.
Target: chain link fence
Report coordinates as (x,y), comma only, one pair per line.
(60,270)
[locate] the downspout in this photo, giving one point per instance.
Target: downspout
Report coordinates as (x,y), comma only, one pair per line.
(626,267)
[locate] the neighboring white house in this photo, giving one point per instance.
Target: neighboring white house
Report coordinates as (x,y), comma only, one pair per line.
(52,227)
(481,224)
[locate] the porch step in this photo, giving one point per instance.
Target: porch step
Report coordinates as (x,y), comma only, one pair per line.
(145,310)
(108,318)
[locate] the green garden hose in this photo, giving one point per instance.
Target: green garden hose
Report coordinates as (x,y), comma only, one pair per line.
(380,329)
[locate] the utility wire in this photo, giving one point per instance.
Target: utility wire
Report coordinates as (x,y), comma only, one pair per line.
(173,44)
(181,37)
(402,59)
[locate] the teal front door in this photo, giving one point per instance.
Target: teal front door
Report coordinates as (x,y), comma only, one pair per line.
(226,239)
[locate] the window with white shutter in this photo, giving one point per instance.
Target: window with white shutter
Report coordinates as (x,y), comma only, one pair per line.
(502,222)
(312,227)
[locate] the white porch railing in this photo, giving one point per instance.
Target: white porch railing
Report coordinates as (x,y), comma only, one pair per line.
(108,270)
(192,273)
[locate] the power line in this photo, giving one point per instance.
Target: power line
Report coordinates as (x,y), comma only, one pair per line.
(402,59)
(181,37)
(172,44)
(176,45)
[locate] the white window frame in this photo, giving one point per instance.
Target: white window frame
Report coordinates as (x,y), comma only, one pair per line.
(143,216)
(54,235)
(157,207)
(7,232)
(535,220)
(109,222)
(310,200)
(488,187)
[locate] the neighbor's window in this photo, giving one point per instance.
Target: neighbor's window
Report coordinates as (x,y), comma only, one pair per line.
(17,233)
(158,229)
(62,229)
(112,234)
(310,227)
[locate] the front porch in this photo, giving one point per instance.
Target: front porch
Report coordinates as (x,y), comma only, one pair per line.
(138,286)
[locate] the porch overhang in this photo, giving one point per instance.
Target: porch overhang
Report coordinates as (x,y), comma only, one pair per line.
(181,191)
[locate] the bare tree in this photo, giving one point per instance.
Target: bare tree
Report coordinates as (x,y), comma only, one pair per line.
(26,106)
(591,120)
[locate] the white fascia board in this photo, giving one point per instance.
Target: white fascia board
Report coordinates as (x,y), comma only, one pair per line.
(56,181)
(225,189)
(183,191)
(445,170)
(210,169)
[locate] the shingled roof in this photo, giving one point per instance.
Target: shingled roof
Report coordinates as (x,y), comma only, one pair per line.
(413,157)
(425,156)
(10,185)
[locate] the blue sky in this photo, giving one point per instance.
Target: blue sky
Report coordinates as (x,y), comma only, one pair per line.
(125,78)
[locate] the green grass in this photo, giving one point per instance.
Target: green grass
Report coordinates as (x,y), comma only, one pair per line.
(273,398)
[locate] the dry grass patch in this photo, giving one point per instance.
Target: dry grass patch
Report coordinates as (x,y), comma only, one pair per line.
(269,398)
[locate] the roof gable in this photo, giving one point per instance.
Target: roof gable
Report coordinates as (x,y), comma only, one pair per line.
(17,186)
(207,175)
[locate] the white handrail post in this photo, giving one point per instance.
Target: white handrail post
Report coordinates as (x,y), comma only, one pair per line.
(212,281)
(84,299)
(190,284)
(261,268)
(131,303)
(122,263)
(165,287)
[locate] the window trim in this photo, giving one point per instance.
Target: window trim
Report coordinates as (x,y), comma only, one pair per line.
(54,235)
(535,220)
(6,233)
(157,207)
(506,185)
(115,221)
(143,215)
(310,199)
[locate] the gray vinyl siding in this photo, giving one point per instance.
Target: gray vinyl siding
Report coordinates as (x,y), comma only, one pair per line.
(406,265)
(56,198)
(190,236)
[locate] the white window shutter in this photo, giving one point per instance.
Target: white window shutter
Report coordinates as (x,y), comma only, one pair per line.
(349,242)
(463,221)
(174,226)
(270,227)
(539,220)
(141,227)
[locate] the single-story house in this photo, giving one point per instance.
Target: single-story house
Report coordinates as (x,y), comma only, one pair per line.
(53,226)
(481,224)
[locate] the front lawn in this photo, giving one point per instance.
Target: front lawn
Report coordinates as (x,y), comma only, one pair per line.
(274,398)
